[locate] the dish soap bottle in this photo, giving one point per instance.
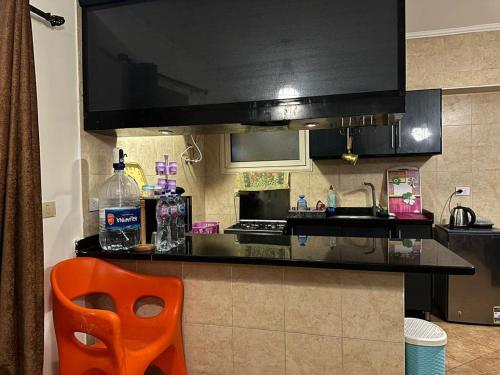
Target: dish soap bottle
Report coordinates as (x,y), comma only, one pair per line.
(119,209)
(331,202)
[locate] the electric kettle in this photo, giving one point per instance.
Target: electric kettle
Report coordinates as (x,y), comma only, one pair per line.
(462,217)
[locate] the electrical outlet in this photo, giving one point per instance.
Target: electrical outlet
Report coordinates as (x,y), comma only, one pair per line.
(93,204)
(465,190)
(48,209)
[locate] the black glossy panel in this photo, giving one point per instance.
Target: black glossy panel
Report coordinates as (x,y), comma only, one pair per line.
(327,143)
(373,140)
(420,127)
(174,53)
(264,205)
(322,252)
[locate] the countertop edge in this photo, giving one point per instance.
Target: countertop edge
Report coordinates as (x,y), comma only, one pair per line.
(279,262)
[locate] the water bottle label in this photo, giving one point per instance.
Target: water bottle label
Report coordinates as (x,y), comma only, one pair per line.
(122,218)
(172,211)
(182,208)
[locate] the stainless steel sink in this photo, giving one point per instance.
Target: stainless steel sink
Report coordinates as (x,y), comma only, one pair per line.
(353,216)
(353,213)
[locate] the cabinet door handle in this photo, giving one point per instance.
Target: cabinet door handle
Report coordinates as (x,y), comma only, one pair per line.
(392,136)
(399,133)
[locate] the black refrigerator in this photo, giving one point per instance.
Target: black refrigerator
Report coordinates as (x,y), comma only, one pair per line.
(470,299)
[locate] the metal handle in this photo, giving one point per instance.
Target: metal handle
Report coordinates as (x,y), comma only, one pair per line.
(399,234)
(392,136)
(399,134)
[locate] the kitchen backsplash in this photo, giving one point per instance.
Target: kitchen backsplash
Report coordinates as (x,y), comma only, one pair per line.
(471,135)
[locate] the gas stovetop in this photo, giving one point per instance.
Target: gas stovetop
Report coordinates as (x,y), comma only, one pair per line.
(258,226)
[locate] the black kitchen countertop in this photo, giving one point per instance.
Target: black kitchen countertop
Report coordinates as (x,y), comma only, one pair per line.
(354,253)
(470,230)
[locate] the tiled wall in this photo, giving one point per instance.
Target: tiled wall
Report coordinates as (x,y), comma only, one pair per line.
(97,155)
(471,157)
(463,60)
(471,136)
(275,320)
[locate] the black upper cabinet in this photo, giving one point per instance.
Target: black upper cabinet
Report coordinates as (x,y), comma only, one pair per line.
(418,133)
(324,144)
(373,141)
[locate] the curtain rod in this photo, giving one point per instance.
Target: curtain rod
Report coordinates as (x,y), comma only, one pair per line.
(53,19)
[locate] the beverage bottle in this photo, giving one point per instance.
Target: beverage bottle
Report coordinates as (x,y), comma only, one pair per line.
(119,209)
(181,213)
(301,203)
(172,209)
(163,219)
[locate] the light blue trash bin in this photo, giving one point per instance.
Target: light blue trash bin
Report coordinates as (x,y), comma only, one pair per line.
(425,344)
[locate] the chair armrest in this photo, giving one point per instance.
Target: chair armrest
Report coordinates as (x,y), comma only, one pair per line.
(102,324)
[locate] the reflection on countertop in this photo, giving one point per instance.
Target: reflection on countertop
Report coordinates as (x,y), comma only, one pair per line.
(359,253)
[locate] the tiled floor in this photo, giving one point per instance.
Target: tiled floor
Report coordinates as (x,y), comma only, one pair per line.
(471,349)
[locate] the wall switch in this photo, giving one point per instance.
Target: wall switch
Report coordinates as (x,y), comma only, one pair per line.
(465,190)
(48,209)
(93,204)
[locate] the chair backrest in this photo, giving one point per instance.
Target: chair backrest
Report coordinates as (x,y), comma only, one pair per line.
(75,278)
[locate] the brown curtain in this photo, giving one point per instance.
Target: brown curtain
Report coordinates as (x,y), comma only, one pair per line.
(21,243)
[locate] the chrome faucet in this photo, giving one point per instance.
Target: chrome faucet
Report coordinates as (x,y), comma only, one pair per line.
(374,202)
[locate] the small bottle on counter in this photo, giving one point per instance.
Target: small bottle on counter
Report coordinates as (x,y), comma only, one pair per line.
(331,202)
(301,203)
(172,212)
(181,213)
(163,219)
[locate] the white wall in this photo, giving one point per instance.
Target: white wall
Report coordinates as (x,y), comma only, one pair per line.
(56,62)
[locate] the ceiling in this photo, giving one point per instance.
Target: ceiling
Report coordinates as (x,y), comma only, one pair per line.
(429,15)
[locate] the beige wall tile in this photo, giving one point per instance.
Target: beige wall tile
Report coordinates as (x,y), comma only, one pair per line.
(319,186)
(258,297)
(486,108)
(300,184)
(457,110)
(429,191)
(209,349)
(446,183)
(158,268)
(372,305)
(360,357)
(258,352)
(486,193)
(313,301)
(486,147)
(207,293)
(310,354)
(457,149)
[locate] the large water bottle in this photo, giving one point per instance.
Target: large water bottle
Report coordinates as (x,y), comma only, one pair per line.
(119,209)
(163,219)
(181,213)
(172,207)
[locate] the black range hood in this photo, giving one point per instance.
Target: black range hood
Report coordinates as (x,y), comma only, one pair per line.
(193,66)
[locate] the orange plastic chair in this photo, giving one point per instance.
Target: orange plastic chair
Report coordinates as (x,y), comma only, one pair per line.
(128,344)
